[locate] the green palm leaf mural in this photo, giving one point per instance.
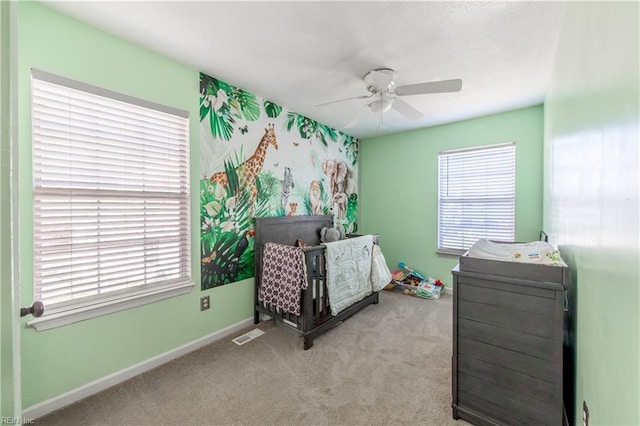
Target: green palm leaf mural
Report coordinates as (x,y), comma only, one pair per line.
(351,148)
(204,109)
(270,187)
(273,110)
(226,242)
(232,177)
(352,212)
(214,97)
(247,104)
(227,210)
(222,123)
(224,103)
(325,134)
(308,128)
(290,121)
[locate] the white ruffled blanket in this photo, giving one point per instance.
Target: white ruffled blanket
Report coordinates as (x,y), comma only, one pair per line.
(348,264)
(537,252)
(380,273)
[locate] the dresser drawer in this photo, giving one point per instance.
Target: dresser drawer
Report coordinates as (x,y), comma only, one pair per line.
(527,344)
(516,362)
(512,407)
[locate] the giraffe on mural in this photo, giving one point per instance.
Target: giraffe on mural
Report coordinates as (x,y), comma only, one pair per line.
(249,170)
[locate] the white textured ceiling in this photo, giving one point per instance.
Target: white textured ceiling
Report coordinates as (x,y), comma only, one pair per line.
(300,54)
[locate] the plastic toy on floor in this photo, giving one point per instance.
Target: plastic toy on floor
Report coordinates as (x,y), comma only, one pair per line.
(413,283)
(410,271)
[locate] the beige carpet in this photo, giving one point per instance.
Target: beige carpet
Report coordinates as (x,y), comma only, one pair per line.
(390,364)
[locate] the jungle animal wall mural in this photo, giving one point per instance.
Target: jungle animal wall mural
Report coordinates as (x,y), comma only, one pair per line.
(258,159)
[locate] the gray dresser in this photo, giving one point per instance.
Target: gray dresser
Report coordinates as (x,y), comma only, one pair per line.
(508,326)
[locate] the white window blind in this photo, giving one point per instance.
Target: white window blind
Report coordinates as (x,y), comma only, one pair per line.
(476,196)
(111,193)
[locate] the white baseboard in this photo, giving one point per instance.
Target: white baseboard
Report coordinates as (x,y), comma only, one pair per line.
(45,407)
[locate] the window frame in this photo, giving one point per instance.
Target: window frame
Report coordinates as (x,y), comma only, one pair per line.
(62,313)
(457,251)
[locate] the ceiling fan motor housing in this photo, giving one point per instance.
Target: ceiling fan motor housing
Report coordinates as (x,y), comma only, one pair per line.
(380,80)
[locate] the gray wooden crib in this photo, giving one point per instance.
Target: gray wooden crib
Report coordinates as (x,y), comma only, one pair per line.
(315,317)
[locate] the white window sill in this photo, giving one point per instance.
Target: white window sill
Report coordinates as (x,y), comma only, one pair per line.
(451,252)
(68,315)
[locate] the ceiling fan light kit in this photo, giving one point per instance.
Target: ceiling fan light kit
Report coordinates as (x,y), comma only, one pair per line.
(381,105)
(380,83)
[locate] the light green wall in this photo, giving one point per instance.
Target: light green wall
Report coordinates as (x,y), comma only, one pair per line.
(62,359)
(399,192)
(591,196)
(9,344)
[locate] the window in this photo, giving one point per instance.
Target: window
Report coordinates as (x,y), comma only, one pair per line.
(476,196)
(110,198)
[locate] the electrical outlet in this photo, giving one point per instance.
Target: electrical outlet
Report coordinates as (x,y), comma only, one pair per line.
(204,303)
(585,414)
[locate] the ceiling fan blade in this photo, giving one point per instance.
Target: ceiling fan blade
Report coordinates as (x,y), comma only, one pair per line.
(345,99)
(442,86)
(405,109)
(356,118)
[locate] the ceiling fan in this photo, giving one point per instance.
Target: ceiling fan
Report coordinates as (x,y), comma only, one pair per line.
(380,84)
